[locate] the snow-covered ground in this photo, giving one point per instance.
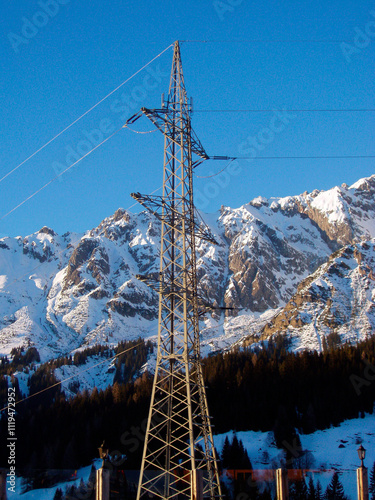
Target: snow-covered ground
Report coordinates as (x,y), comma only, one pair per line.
(331,449)
(226,333)
(49,493)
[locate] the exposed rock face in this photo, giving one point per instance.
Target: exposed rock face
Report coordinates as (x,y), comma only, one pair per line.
(39,246)
(338,298)
(82,289)
(135,299)
(47,230)
(81,254)
(343,213)
(270,250)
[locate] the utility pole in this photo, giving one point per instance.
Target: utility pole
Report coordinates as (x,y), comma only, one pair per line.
(179,458)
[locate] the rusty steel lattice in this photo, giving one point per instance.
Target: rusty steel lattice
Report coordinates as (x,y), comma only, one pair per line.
(179,458)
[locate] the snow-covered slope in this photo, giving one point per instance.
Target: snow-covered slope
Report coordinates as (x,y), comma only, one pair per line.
(63,293)
(339,298)
(28,268)
(329,450)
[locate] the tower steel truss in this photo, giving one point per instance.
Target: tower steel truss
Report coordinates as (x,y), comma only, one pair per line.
(179,457)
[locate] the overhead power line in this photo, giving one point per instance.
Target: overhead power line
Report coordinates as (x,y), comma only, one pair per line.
(283,109)
(288,157)
(58,175)
(71,166)
(86,113)
(74,376)
(232,158)
(263,40)
(322,157)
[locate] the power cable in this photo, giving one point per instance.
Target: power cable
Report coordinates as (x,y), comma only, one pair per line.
(323,157)
(130,121)
(64,250)
(274,158)
(60,174)
(286,157)
(283,109)
(141,132)
(72,165)
(262,40)
(214,175)
(73,376)
(84,114)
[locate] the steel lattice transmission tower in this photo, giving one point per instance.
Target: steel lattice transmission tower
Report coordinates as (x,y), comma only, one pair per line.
(179,457)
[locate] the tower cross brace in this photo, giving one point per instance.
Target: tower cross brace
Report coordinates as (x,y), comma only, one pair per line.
(179,459)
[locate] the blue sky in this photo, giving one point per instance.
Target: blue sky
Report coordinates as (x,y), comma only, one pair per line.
(60,57)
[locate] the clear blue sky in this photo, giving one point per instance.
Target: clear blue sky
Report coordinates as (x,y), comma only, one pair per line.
(59,59)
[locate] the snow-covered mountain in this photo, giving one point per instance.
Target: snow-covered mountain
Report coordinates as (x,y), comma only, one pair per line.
(303,265)
(339,298)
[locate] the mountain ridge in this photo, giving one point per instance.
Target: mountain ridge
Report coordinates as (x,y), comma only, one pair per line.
(63,293)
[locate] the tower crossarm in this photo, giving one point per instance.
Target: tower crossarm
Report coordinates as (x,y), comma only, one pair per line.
(206,307)
(164,120)
(162,285)
(172,216)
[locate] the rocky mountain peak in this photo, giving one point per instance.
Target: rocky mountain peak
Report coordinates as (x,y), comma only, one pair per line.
(273,260)
(47,230)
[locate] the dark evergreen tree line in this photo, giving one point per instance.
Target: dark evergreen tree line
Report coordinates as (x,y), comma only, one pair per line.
(282,391)
(20,360)
(67,433)
(246,391)
(126,366)
(129,363)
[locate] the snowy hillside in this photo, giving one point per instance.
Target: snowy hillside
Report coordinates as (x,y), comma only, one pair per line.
(329,450)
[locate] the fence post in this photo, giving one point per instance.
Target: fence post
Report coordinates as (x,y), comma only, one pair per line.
(282,484)
(362,483)
(197,484)
(102,484)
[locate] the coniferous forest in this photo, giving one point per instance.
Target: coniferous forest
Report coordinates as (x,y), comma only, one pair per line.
(262,389)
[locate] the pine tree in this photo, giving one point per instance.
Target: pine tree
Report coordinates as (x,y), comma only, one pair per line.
(298,490)
(319,491)
(225,453)
(239,457)
(311,490)
(335,489)
(292,491)
(234,455)
(58,494)
(235,451)
(71,493)
(372,482)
